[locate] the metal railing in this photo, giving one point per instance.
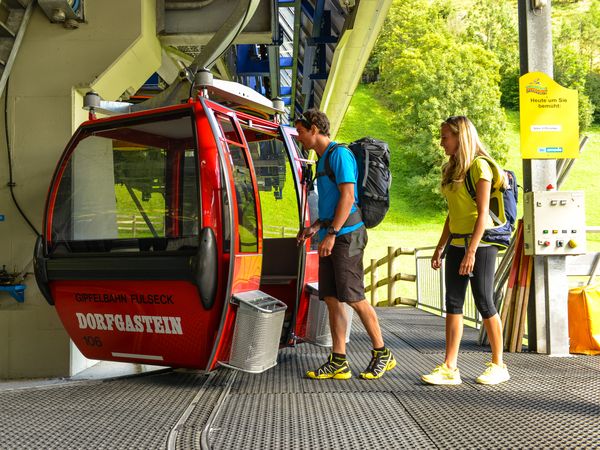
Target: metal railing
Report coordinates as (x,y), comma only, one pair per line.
(431,287)
(428,288)
(428,285)
(133,225)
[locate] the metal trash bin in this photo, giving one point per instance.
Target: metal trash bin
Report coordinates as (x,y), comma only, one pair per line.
(317,324)
(257,332)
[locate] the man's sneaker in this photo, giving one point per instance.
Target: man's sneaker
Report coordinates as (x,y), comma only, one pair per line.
(494,374)
(339,370)
(381,362)
(442,374)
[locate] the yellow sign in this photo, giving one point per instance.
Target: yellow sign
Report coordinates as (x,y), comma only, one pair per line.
(549,118)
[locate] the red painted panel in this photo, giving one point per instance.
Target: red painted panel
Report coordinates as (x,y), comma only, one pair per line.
(152,322)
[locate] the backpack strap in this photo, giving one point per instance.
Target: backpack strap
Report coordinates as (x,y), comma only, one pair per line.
(495,184)
(470,185)
(328,171)
(366,177)
(353,219)
(356,216)
(451,237)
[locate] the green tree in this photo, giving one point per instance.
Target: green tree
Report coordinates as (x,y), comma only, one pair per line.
(590,48)
(571,67)
(425,82)
(590,36)
(592,89)
(407,21)
(493,24)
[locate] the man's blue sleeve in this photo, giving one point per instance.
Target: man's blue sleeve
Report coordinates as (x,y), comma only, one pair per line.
(343,164)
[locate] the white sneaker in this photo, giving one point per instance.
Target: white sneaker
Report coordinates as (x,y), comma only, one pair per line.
(494,374)
(442,374)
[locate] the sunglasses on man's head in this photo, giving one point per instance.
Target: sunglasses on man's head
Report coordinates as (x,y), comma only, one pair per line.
(304,121)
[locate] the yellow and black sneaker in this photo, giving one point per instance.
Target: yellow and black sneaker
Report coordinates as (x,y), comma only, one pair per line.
(336,368)
(381,362)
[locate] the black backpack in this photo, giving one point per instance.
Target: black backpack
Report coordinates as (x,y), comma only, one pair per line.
(374,177)
(503,205)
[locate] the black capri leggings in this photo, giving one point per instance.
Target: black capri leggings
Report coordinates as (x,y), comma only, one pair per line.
(482,282)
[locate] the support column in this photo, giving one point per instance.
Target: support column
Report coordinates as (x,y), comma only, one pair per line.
(547,314)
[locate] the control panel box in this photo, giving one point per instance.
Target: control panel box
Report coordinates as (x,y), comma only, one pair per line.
(554,223)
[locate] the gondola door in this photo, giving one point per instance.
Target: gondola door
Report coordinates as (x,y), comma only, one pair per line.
(241,221)
(308,258)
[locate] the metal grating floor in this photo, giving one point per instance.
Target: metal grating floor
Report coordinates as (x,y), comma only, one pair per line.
(549,402)
(128,413)
(344,420)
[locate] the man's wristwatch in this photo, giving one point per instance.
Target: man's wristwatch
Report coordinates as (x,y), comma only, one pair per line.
(331,230)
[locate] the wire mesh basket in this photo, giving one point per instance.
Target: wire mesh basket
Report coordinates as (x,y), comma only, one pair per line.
(257,332)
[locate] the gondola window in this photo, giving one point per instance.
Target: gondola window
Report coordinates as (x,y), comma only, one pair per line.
(129,188)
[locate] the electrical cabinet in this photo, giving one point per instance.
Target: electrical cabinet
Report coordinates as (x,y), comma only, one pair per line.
(554,223)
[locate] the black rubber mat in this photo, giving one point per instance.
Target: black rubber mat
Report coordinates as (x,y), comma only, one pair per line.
(432,338)
(426,332)
(289,375)
(191,430)
(591,361)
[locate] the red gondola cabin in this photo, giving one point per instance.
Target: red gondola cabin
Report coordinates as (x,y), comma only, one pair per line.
(157,221)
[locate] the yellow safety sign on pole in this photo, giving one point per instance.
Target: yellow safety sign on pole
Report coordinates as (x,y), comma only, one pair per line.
(549,118)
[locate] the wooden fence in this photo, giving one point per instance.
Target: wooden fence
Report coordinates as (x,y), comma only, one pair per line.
(276,231)
(391,278)
(133,224)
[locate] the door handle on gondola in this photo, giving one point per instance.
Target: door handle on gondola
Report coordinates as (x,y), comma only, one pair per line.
(205,267)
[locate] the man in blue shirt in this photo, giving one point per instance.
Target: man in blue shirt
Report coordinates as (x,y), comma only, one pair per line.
(343,238)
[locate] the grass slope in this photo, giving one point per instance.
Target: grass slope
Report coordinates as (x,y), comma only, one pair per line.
(407,224)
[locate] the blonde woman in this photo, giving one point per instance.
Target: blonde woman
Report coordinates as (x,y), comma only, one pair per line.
(468,259)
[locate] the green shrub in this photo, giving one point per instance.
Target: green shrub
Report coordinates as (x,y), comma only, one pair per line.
(592,90)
